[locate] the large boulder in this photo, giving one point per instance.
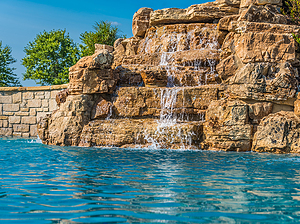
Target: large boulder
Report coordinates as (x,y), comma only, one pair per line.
(265,82)
(188,102)
(140,22)
(257,27)
(64,126)
(61,96)
(278,133)
(252,45)
(227,126)
(265,47)
(200,13)
(265,14)
(141,133)
(93,74)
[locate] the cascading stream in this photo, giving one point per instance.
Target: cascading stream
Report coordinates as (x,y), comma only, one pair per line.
(168,96)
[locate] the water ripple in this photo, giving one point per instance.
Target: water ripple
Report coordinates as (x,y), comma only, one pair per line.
(48,184)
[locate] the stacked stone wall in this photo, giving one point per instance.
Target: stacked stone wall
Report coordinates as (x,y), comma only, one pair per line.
(22,107)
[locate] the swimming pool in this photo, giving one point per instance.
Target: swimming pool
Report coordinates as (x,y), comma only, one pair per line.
(49,184)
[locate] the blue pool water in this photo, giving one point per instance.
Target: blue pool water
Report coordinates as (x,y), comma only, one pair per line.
(49,184)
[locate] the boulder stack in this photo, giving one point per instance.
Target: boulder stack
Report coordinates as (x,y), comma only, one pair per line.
(221,75)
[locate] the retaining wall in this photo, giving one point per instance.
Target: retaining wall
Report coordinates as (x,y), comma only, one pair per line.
(22,107)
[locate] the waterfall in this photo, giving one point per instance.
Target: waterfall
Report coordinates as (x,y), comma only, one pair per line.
(170,122)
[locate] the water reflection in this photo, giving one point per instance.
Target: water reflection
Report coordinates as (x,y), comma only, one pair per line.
(86,185)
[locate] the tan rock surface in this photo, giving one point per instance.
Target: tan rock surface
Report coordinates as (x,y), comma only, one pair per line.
(245,26)
(64,126)
(225,22)
(140,22)
(264,82)
(265,14)
(233,3)
(61,96)
(100,47)
(92,74)
(143,101)
(101,109)
(297,106)
(278,133)
(247,3)
(265,47)
(140,132)
(207,12)
(227,126)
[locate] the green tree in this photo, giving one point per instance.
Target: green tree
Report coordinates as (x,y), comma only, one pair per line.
(7,76)
(291,9)
(49,57)
(104,33)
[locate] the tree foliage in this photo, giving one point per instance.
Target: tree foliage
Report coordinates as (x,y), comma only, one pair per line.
(7,76)
(291,9)
(49,57)
(104,33)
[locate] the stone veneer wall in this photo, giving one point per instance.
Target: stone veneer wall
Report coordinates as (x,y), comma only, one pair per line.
(22,107)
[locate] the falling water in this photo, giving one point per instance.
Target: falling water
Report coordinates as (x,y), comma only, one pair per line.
(169,117)
(168,100)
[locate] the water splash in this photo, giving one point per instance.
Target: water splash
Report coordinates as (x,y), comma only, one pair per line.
(37,140)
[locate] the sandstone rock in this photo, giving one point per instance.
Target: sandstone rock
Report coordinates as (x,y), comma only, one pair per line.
(140,22)
(233,3)
(118,42)
(154,78)
(42,128)
(100,47)
(225,22)
(102,109)
(278,133)
(227,126)
(264,82)
(128,78)
(188,52)
(259,110)
(92,74)
(228,67)
(131,46)
(103,58)
(247,3)
(228,47)
(64,126)
(297,106)
(207,12)
(61,96)
(180,37)
(245,26)
(265,47)
(266,14)
(135,132)
(143,101)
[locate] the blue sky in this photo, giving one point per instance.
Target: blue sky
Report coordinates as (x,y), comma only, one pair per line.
(21,21)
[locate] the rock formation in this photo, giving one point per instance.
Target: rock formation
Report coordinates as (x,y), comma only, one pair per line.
(221,75)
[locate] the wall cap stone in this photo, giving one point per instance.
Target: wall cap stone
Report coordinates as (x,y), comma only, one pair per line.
(35,88)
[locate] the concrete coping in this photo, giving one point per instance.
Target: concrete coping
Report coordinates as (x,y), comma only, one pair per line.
(35,88)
